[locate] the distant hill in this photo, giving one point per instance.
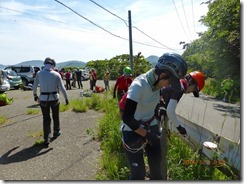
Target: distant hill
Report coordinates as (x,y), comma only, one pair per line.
(152,59)
(32,62)
(2,66)
(81,64)
(39,63)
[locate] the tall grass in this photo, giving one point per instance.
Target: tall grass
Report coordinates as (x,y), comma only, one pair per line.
(183,162)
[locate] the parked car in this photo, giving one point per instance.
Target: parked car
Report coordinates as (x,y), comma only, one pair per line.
(26,72)
(13,78)
(5,86)
(1,77)
(85,75)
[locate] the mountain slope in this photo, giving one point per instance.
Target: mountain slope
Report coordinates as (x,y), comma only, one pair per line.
(74,63)
(39,63)
(152,59)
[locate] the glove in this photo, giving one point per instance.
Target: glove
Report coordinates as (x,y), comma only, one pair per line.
(114,96)
(67,102)
(182,130)
(36,98)
(152,138)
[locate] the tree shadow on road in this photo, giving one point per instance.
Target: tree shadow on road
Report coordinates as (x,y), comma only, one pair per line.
(34,106)
(23,155)
(232,111)
(229,109)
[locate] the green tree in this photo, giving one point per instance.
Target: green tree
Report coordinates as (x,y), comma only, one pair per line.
(217,51)
(116,65)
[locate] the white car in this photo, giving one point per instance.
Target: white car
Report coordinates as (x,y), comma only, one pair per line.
(84,75)
(5,86)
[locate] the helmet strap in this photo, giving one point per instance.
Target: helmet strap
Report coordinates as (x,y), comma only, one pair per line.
(158,72)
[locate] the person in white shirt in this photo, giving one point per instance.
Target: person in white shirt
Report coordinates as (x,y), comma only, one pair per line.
(139,127)
(50,83)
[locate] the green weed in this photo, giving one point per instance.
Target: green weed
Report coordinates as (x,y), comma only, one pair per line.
(79,105)
(39,142)
(63,107)
(33,111)
(36,134)
(3,120)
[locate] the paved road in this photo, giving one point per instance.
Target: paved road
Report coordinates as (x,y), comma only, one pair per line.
(72,156)
(214,115)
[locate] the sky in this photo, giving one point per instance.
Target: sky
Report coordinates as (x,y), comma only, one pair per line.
(95,29)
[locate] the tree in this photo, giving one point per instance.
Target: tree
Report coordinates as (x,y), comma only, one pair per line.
(116,65)
(223,20)
(217,51)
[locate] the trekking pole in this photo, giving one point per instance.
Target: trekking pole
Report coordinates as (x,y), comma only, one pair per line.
(163,140)
(191,141)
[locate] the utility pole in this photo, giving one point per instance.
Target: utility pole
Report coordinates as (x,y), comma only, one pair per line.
(130,42)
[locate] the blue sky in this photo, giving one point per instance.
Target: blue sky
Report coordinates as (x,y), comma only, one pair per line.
(36,29)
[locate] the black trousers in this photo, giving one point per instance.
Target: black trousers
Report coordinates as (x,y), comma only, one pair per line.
(68,85)
(45,107)
(137,164)
(80,85)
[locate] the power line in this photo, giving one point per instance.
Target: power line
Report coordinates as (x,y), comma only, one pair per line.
(193,17)
(146,44)
(110,12)
(133,26)
(105,29)
(90,21)
(60,22)
(28,14)
(152,38)
(180,20)
(185,17)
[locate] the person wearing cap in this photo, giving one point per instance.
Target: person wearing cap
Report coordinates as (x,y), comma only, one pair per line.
(192,83)
(140,130)
(50,82)
(122,83)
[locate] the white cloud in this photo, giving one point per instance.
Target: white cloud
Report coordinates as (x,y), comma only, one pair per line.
(36,31)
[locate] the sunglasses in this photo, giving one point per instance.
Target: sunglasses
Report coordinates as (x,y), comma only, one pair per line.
(191,82)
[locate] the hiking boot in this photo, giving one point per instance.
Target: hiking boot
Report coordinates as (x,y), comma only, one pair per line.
(56,134)
(46,142)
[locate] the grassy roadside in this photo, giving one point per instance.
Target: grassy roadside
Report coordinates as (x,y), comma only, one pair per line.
(183,162)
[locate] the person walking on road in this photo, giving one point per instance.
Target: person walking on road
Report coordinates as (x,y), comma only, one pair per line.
(79,80)
(139,127)
(50,82)
(68,76)
(122,83)
(74,79)
(227,85)
(93,79)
